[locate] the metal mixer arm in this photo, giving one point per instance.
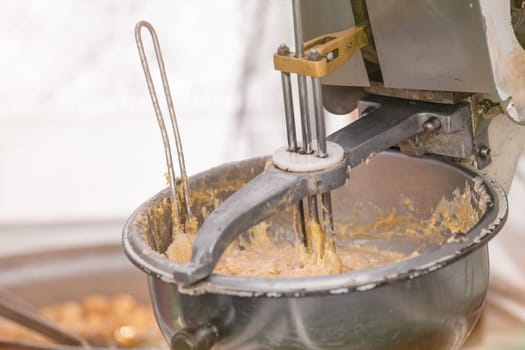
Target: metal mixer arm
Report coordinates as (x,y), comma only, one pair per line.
(390,122)
(270,192)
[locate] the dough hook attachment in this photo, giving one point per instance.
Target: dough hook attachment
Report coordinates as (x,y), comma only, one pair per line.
(160,119)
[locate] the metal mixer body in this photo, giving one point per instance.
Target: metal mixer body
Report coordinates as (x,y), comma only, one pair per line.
(436,51)
(433,77)
(431,301)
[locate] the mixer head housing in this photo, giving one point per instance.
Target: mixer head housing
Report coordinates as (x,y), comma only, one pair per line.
(436,51)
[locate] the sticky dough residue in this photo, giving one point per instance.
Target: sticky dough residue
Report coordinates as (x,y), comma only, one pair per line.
(256,254)
(450,217)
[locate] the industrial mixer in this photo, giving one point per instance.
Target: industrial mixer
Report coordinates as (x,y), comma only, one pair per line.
(441,81)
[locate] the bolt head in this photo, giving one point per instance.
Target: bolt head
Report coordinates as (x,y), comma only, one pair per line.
(432,124)
(314,55)
(283,50)
(484,152)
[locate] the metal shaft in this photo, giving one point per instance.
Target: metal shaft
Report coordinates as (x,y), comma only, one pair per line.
(328,216)
(301,80)
(313,215)
(298,28)
(319,118)
(306,131)
(305,115)
(313,208)
(288,110)
(160,119)
(326,198)
(299,223)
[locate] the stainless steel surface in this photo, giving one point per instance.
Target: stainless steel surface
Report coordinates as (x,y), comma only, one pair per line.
(160,118)
(430,301)
(319,19)
(451,46)
(431,45)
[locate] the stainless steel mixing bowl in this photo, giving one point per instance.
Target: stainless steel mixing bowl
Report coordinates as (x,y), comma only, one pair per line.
(430,301)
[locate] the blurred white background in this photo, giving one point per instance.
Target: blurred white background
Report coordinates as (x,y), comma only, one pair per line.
(79,145)
(78,138)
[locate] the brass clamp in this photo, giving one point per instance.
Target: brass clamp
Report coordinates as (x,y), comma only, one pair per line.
(322,54)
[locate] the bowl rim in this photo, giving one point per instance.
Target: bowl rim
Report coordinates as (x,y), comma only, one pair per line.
(156,265)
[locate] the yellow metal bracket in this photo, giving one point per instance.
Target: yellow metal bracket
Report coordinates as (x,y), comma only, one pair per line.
(322,54)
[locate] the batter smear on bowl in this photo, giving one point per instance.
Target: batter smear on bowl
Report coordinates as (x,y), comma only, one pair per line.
(256,254)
